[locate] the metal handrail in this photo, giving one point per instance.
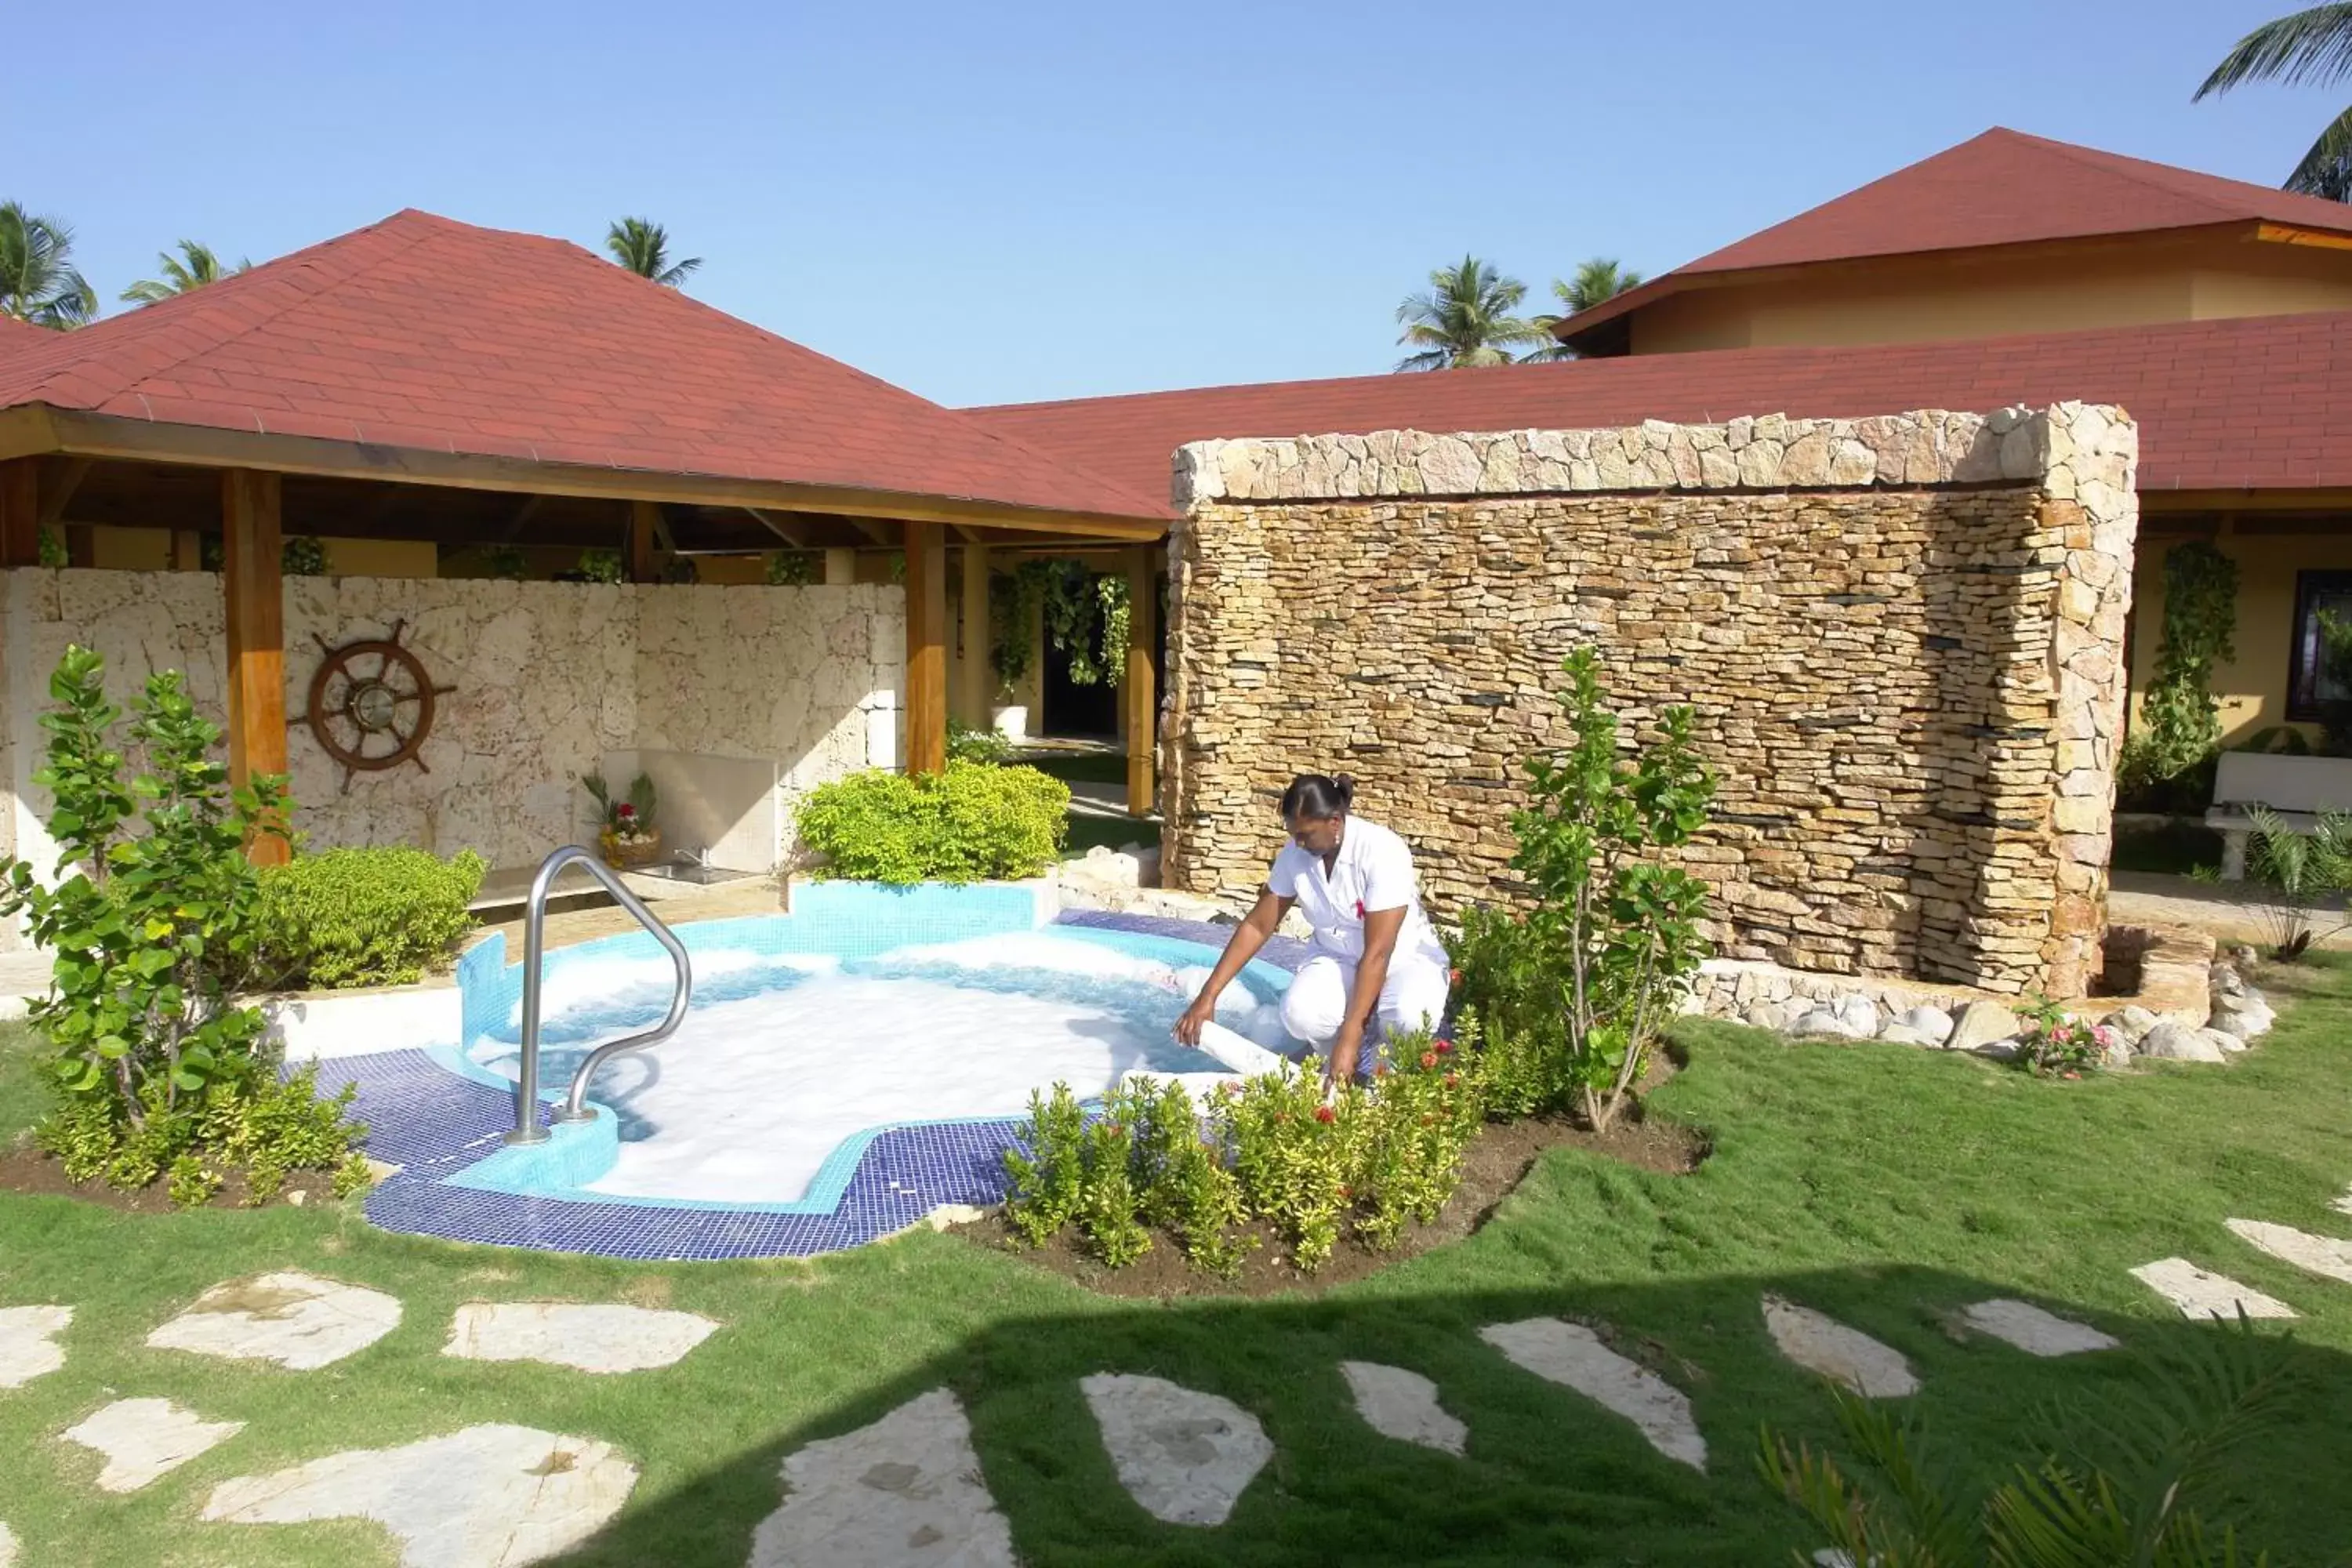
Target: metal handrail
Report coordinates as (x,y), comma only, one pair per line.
(527,1128)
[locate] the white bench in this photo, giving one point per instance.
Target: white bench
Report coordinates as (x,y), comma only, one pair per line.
(2298,789)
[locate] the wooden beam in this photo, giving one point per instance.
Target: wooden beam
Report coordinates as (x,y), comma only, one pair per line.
(1142,686)
(141,440)
(522,514)
(257,638)
(792,531)
(879,531)
(927,648)
(645,524)
(979,676)
(59,480)
(20,512)
(2295,234)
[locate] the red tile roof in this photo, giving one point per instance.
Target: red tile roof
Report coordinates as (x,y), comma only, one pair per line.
(2003,187)
(17,336)
(423,332)
(2250,403)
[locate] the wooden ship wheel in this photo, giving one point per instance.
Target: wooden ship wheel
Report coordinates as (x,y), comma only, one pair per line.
(372,705)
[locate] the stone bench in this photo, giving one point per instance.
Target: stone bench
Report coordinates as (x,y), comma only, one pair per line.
(2298,790)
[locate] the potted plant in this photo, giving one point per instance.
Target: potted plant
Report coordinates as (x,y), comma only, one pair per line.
(626,831)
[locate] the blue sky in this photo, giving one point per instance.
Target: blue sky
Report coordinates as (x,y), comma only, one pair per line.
(1000,203)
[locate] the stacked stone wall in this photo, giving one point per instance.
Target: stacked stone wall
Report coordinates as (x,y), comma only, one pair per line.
(1902,637)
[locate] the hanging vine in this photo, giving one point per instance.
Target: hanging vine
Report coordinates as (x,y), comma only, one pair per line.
(1085,620)
(2180,721)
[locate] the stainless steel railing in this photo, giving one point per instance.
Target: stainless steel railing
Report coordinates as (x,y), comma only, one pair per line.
(527,1128)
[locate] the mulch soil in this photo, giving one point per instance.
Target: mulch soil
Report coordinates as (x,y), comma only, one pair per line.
(1492,1168)
(28,1170)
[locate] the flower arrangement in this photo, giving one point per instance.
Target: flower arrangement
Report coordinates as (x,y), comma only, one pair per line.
(626,830)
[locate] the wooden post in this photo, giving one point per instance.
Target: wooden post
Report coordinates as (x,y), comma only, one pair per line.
(1142,687)
(645,522)
(255,592)
(187,550)
(979,676)
(20,512)
(926,647)
(81,546)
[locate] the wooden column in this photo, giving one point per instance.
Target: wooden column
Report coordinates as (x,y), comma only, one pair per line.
(926,647)
(1142,706)
(187,550)
(978,677)
(645,523)
(254,592)
(20,512)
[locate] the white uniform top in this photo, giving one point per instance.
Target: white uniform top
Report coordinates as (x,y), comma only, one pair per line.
(1372,873)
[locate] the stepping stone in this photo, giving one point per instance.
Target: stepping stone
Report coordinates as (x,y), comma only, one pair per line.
(298,1321)
(591,1338)
(1842,1355)
(487,1497)
(1402,1405)
(2201,1295)
(7,1546)
(28,1347)
(145,1438)
(1574,1356)
(1185,1456)
(905,1490)
(2316,1254)
(2033,1330)
(2344,1203)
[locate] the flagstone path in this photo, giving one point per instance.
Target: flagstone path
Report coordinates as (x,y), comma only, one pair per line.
(905,1490)
(2322,1254)
(2200,1294)
(28,1342)
(1574,1355)
(1185,1456)
(1841,1354)
(601,1339)
(1402,1405)
(299,1321)
(145,1438)
(2033,1330)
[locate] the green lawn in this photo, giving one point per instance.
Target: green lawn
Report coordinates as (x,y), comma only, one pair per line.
(1884,1185)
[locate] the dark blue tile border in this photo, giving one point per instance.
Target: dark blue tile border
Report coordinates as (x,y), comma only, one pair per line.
(433,1123)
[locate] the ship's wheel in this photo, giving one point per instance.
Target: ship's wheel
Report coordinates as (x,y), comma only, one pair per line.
(372,705)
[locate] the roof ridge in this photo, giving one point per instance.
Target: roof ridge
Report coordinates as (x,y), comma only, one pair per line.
(300,269)
(2106,162)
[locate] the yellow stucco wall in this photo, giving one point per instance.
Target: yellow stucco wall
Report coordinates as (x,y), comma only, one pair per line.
(150,549)
(1926,298)
(2252,686)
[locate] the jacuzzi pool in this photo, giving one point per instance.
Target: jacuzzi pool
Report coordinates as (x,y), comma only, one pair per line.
(853,1066)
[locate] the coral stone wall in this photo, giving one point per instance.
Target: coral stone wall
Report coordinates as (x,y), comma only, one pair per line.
(1903,637)
(548,678)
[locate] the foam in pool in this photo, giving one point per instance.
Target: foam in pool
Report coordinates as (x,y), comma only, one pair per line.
(782,1059)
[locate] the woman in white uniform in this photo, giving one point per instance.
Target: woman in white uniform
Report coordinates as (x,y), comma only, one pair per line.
(1375,954)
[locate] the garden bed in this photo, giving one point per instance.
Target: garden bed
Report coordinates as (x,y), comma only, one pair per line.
(31,1170)
(1492,1168)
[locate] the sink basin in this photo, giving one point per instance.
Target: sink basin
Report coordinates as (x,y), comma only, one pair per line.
(689,872)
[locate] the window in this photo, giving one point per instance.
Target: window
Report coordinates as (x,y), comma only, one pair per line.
(2315,592)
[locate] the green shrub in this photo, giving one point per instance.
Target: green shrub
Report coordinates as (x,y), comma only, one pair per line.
(1582,987)
(601,566)
(1044,1196)
(969,824)
(363,916)
(794,568)
(970,744)
(154,1067)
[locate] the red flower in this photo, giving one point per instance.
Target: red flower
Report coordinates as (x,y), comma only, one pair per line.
(1113,1128)
(1230,1089)
(1428,1060)
(2075,1075)
(625,809)
(1380,1069)
(1453,977)
(1446,1048)
(1452,1078)
(1325,1114)
(1347,1192)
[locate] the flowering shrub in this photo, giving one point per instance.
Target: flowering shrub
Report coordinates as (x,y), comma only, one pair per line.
(1416,1126)
(2053,1045)
(1291,1153)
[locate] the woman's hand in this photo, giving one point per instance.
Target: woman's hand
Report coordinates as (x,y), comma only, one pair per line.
(1203,1010)
(1347,1046)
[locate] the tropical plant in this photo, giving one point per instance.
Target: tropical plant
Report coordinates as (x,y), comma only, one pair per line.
(970,823)
(1595,281)
(1013,599)
(38,281)
(1465,319)
(642,245)
(973,743)
(2312,45)
(195,266)
(2304,874)
(1583,982)
(379,916)
(1085,619)
(601,566)
(302,556)
(2155,1460)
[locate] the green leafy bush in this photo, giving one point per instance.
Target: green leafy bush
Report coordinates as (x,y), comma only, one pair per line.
(794,568)
(302,556)
(601,566)
(158,913)
(1571,996)
(971,743)
(363,916)
(2167,764)
(970,823)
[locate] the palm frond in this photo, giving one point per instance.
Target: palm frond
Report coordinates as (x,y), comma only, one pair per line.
(2326,169)
(2311,45)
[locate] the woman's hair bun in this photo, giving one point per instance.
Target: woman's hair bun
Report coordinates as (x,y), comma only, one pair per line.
(1318,798)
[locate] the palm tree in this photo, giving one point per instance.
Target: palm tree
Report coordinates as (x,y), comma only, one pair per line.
(199,267)
(2314,44)
(1597,279)
(642,245)
(37,282)
(1465,320)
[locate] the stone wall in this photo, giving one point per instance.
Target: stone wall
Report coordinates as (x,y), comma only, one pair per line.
(548,678)
(1903,637)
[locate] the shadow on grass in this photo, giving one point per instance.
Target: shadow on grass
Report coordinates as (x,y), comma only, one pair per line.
(1549,1477)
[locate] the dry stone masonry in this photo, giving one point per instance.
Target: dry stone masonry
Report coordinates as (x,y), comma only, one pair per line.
(1902,637)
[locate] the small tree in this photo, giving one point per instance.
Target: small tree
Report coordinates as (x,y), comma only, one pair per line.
(157,912)
(1599,965)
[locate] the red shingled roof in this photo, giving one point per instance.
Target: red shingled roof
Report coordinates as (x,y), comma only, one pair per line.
(2003,187)
(2251,403)
(423,332)
(17,336)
